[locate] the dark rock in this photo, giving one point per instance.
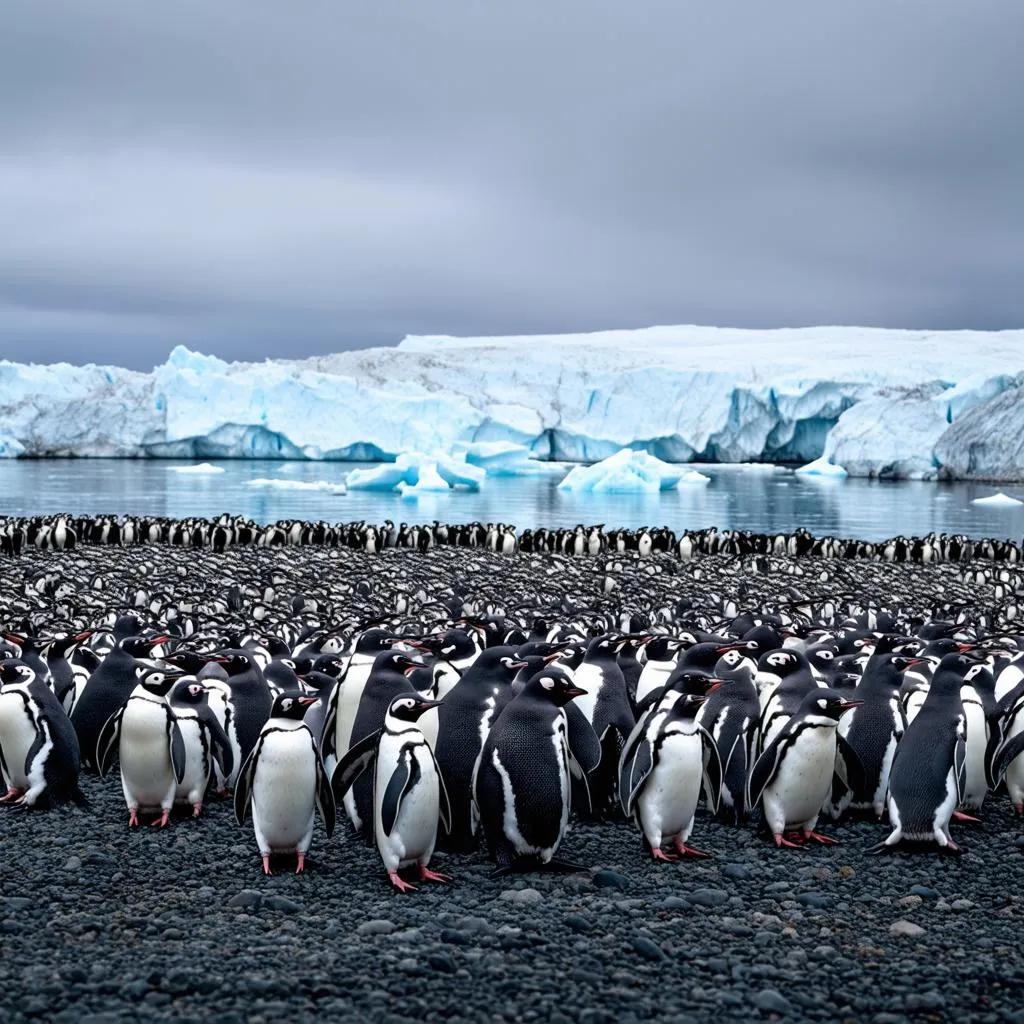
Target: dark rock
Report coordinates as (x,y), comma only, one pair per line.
(647,948)
(708,897)
(607,879)
(249,899)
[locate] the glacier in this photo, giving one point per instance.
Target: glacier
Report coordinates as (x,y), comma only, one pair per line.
(888,403)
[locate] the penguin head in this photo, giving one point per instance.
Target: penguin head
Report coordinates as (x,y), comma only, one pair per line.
(555,686)
(409,706)
(188,691)
(13,672)
(396,661)
(687,706)
(695,682)
(782,663)
(157,680)
(828,704)
(291,706)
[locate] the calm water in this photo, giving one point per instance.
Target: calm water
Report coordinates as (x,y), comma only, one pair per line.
(762,499)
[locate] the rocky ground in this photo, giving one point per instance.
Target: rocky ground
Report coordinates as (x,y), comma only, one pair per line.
(100,923)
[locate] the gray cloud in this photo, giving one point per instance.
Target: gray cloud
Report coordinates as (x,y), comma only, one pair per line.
(252,178)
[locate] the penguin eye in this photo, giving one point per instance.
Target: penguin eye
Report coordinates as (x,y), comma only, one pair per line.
(286,703)
(825,655)
(548,684)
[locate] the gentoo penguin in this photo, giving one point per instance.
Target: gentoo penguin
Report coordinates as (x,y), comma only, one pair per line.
(464,719)
(250,699)
(145,737)
(408,793)
(1008,759)
(793,777)
(927,778)
(108,688)
(388,678)
(39,754)
(284,781)
(606,705)
(523,778)
(874,729)
(783,678)
(659,661)
(204,739)
(660,783)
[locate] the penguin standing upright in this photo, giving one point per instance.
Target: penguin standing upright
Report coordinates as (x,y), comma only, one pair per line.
(283,779)
(145,737)
(523,779)
(793,777)
(204,740)
(39,754)
(926,782)
(408,791)
(661,782)
(1008,758)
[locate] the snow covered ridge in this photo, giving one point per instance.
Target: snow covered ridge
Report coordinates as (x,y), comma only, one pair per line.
(876,402)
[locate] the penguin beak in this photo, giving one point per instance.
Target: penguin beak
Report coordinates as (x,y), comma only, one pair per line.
(84,636)
(407,672)
(306,702)
(551,658)
(575,691)
(714,685)
(520,664)
(847,705)
(964,648)
(914,662)
(426,705)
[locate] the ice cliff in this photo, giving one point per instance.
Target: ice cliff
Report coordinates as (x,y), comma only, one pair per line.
(877,402)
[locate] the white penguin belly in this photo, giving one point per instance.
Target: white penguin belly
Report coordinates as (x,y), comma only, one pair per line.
(17,734)
(589,678)
(193,784)
(670,795)
(1015,769)
(144,751)
(654,675)
(975,781)
(284,793)
(414,832)
(803,781)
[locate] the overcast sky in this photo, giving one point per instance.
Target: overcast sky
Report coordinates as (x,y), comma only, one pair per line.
(257,178)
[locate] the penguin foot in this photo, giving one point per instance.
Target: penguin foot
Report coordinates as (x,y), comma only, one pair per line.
(426,875)
(960,816)
(882,847)
(161,822)
(817,837)
(266,864)
(659,854)
(301,863)
(133,817)
(399,883)
(781,840)
(1019,808)
(689,851)
(12,794)
(197,809)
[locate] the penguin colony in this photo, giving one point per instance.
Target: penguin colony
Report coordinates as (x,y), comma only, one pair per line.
(439,698)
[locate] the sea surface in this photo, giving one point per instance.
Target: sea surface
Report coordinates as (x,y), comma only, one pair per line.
(765,499)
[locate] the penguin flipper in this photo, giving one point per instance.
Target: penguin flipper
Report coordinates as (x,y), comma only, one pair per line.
(324,794)
(177,746)
(960,764)
(42,737)
(243,785)
(764,770)
(405,776)
(583,741)
(1007,753)
(107,741)
(444,805)
(712,770)
(643,764)
(358,758)
(329,729)
(849,766)
(220,745)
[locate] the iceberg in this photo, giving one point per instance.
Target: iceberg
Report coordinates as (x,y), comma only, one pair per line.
(877,402)
(627,472)
(417,472)
(998,500)
(823,468)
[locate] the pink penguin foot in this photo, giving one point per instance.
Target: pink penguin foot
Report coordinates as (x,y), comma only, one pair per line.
(960,816)
(810,834)
(400,884)
(133,817)
(266,864)
(301,864)
(1019,808)
(197,809)
(161,822)
(13,793)
(781,840)
(689,851)
(426,875)
(659,854)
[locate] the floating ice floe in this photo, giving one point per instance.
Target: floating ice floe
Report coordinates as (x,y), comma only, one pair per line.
(822,468)
(417,473)
(999,500)
(298,485)
(503,458)
(203,469)
(629,472)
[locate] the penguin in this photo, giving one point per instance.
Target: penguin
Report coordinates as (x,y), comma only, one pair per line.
(145,737)
(1007,761)
(660,659)
(408,792)
(660,783)
(522,782)
(39,755)
(250,700)
(109,687)
(204,739)
(926,782)
(284,781)
(784,679)
(793,777)
(464,719)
